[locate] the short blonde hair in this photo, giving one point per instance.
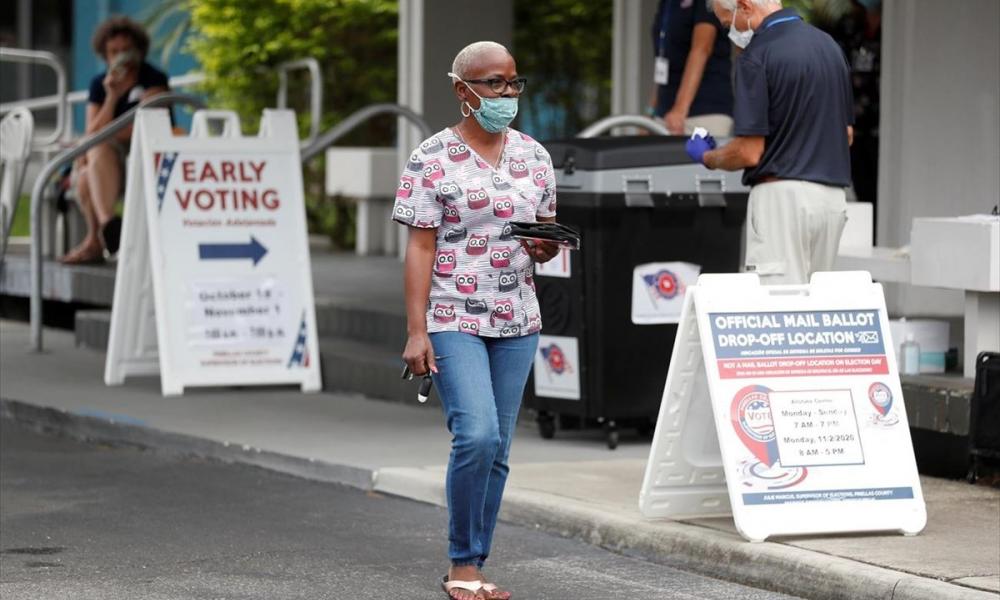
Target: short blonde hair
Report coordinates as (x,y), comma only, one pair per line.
(731,4)
(469,55)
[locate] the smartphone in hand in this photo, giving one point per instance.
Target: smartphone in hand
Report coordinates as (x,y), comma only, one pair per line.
(121,62)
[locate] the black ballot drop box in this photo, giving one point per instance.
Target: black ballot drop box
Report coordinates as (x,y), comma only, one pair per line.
(635,200)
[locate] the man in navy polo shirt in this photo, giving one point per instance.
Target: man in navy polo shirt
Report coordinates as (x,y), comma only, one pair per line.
(793,126)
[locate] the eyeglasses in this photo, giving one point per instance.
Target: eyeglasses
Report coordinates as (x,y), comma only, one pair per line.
(499,85)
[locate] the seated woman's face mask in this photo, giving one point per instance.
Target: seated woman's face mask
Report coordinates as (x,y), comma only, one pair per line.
(494,114)
(123,60)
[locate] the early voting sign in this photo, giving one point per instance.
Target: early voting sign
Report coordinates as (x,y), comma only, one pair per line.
(783,406)
(215,252)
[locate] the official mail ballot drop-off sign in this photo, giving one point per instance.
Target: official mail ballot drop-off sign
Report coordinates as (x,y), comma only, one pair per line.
(807,405)
(788,430)
(227,235)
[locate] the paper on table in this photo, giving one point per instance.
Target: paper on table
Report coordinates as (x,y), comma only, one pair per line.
(980,218)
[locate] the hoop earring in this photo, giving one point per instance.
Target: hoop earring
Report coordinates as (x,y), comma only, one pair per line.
(462,109)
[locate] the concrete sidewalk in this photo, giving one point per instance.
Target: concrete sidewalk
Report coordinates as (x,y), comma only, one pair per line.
(571,485)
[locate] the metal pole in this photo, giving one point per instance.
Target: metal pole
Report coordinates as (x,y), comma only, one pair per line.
(609,123)
(178,81)
(358,117)
(315,92)
(50,169)
(49,59)
(24,40)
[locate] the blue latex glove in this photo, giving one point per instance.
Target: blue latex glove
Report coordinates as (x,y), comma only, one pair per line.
(697,146)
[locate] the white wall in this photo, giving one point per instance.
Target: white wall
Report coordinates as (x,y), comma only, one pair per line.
(632,56)
(431,32)
(430,35)
(940,124)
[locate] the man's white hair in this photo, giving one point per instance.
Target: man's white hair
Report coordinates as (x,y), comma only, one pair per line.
(471,54)
(731,4)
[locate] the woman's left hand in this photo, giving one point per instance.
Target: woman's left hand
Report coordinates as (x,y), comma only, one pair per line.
(674,120)
(541,252)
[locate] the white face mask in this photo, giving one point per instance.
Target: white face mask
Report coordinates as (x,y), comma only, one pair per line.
(740,38)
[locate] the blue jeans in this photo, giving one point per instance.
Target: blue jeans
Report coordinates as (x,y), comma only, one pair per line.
(480,381)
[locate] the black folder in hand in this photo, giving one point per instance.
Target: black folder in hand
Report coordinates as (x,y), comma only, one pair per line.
(547,232)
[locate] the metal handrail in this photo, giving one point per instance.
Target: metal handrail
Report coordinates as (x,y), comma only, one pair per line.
(315,92)
(42,102)
(78,96)
(20,55)
(308,153)
(358,117)
(609,123)
(50,168)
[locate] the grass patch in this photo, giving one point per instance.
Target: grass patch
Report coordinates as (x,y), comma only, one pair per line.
(21,227)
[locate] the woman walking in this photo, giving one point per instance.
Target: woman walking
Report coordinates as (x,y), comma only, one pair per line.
(472,314)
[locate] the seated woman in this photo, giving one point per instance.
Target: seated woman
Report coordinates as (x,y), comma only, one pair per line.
(122,44)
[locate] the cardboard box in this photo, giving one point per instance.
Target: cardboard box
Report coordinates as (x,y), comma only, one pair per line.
(362,172)
(960,252)
(930,334)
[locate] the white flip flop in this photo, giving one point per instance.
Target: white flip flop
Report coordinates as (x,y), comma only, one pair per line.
(469,586)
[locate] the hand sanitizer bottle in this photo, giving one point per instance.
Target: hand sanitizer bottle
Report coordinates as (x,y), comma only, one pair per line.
(909,351)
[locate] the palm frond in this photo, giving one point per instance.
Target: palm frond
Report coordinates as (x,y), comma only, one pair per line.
(167,42)
(173,40)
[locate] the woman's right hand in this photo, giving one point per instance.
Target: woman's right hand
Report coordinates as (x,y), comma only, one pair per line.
(117,85)
(419,354)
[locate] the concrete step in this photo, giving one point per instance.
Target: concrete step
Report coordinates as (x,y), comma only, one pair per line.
(78,284)
(352,320)
(350,362)
(91,328)
(368,369)
(370,282)
(334,319)
(360,352)
(358,298)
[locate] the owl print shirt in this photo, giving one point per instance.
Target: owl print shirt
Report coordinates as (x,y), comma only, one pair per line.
(483,280)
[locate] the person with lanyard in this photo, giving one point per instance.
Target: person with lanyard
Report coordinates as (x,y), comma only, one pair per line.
(472,313)
(858,31)
(793,127)
(692,71)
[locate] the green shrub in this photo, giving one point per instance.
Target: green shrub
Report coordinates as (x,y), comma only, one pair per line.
(563,47)
(240,42)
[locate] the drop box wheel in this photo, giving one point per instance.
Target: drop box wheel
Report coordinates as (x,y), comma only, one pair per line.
(546,425)
(611,434)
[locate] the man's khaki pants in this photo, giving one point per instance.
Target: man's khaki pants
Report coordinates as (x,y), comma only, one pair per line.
(719,126)
(793,230)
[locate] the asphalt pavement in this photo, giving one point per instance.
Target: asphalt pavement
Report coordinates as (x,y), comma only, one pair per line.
(112,522)
(571,486)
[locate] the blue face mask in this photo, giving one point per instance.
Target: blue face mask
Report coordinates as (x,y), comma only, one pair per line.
(494,114)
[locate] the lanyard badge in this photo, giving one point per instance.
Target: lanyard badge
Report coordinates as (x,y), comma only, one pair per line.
(661,65)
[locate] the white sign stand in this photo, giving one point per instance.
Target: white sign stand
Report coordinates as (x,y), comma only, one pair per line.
(214,252)
(810,431)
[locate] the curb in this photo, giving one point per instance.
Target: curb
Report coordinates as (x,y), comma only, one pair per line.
(717,554)
(698,549)
(112,431)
